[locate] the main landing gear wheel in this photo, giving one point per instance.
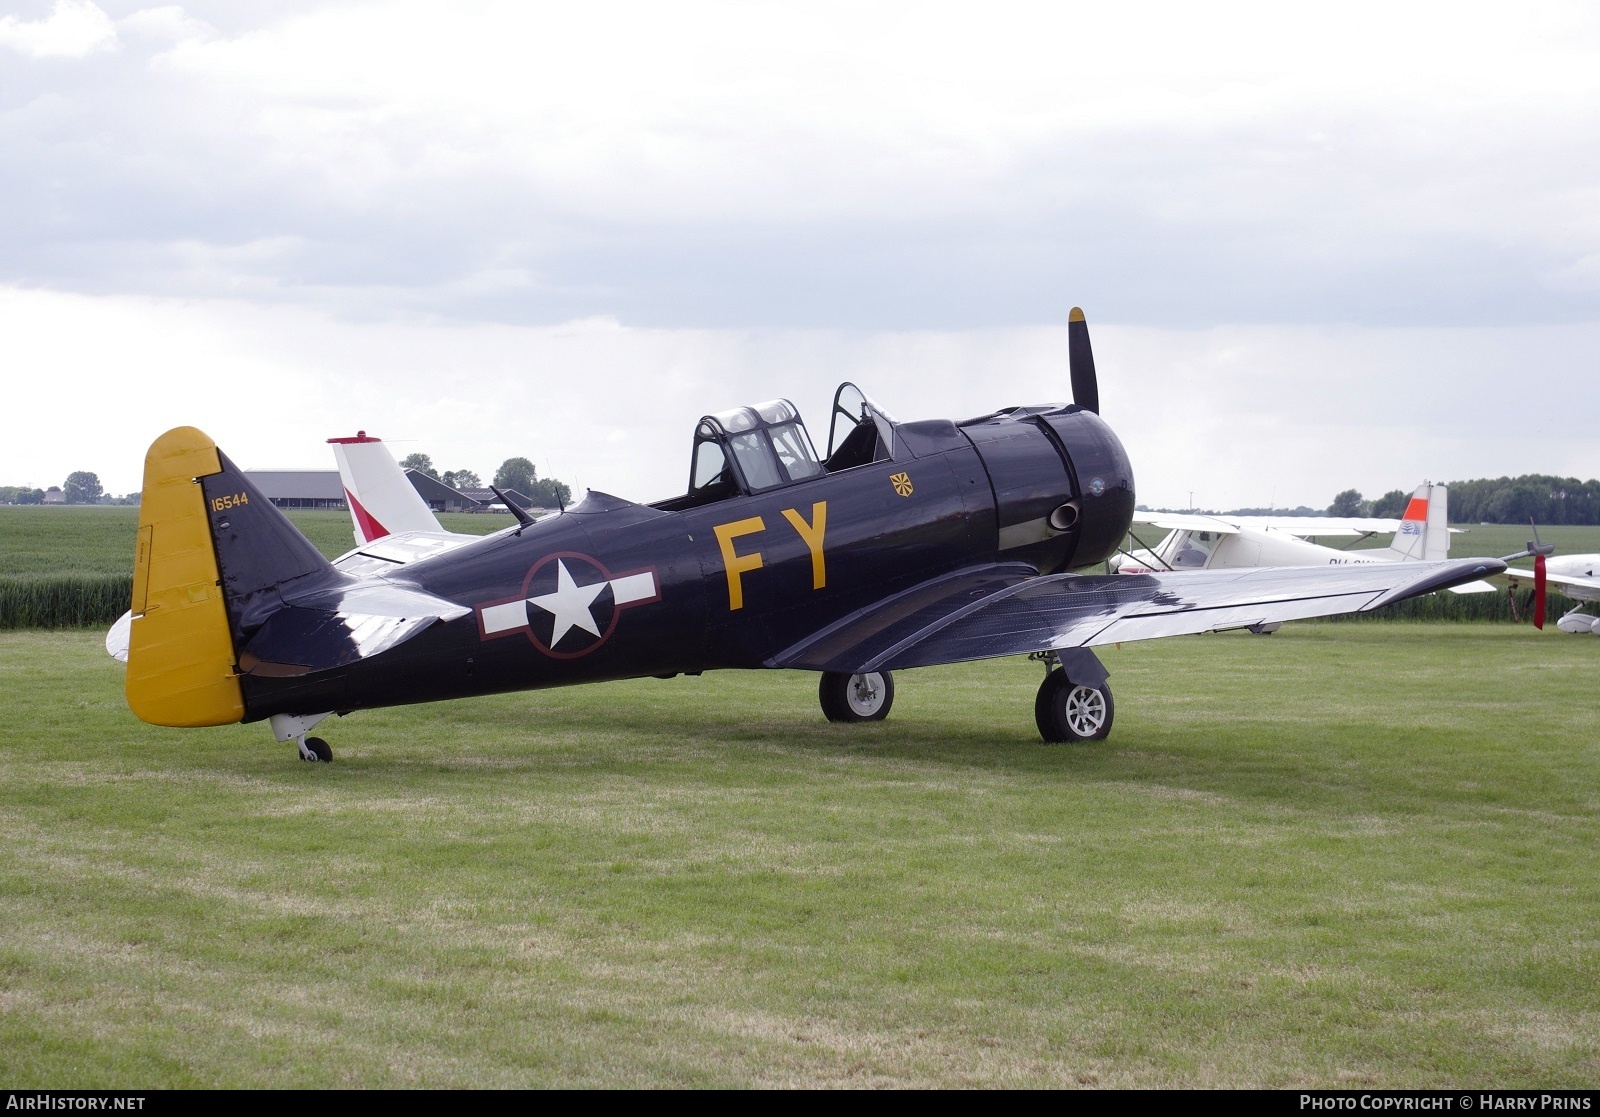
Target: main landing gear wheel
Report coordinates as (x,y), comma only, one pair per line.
(856,697)
(1069,711)
(314,749)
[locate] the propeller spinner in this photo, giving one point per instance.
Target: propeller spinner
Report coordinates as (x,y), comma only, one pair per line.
(1080,356)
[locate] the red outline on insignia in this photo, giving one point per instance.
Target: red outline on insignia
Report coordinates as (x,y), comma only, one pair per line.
(608,577)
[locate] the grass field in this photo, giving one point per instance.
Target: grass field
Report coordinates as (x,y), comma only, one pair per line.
(1341,855)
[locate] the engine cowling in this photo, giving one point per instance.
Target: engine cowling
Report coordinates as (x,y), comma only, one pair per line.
(1063,486)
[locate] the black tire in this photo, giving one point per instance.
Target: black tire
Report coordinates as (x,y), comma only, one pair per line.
(851,698)
(320,747)
(1069,711)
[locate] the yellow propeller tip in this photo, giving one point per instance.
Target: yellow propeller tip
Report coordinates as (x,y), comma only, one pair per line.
(1075,316)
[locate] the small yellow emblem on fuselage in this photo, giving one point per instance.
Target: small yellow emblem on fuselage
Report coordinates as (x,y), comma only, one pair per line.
(901,483)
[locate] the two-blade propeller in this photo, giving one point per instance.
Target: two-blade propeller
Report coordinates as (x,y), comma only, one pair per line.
(1085,388)
(1538,550)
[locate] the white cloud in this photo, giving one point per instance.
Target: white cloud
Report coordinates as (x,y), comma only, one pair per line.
(1242,416)
(833,164)
(168,24)
(74,29)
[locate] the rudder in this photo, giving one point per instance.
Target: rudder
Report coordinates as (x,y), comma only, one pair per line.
(1424,534)
(180,647)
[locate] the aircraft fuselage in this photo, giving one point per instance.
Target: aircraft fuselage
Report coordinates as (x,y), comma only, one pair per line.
(611,589)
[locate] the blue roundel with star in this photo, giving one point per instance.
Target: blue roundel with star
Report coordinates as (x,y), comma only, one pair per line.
(568,605)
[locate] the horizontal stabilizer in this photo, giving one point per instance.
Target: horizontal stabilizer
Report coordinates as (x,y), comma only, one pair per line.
(340,625)
(944,621)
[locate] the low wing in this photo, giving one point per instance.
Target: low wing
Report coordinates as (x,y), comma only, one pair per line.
(997,610)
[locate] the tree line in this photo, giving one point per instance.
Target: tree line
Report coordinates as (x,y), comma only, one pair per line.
(515,474)
(80,487)
(1501,500)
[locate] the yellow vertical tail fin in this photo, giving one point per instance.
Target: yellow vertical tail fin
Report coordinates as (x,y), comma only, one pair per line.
(181,662)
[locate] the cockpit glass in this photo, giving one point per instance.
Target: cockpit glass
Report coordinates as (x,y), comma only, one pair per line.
(776,411)
(736,419)
(794,452)
(849,408)
(1192,549)
(755,460)
(709,464)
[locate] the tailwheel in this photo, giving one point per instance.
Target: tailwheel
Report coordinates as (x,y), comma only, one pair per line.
(314,749)
(1069,711)
(864,697)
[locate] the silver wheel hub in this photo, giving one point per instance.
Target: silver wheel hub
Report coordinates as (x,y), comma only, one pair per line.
(864,693)
(1086,710)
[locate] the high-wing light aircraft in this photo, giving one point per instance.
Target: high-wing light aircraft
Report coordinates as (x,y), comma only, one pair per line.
(1211,542)
(1579,578)
(907,544)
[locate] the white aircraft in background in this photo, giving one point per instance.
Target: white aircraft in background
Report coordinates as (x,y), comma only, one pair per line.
(393,524)
(1579,578)
(1198,542)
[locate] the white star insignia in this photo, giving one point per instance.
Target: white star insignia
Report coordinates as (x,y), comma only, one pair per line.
(569,604)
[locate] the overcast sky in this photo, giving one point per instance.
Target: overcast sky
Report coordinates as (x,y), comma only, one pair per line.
(1357,246)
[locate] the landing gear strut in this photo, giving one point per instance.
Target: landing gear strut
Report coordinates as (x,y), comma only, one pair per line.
(856,697)
(1074,702)
(295,727)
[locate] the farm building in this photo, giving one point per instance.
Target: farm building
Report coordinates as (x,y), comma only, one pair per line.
(322,488)
(299,488)
(442,498)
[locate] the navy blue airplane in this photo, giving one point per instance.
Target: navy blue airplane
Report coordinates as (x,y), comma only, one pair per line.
(905,545)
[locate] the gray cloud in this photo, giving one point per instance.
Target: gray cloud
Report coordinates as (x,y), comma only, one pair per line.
(371,159)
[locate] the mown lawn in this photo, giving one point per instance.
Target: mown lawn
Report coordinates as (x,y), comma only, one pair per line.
(1342,855)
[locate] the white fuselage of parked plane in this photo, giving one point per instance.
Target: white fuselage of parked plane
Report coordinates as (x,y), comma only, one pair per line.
(1189,549)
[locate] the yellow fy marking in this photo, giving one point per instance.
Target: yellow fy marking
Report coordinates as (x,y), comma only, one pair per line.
(735,565)
(811,535)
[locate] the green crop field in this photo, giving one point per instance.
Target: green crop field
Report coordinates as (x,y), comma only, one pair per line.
(67,567)
(1345,855)
(93,539)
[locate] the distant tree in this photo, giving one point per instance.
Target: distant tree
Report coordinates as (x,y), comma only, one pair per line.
(82,488)
(515,473)
(1392,504)
(1347,503)
(30,496)
(131,498)
(547,492)
(422,463)
(462,479)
